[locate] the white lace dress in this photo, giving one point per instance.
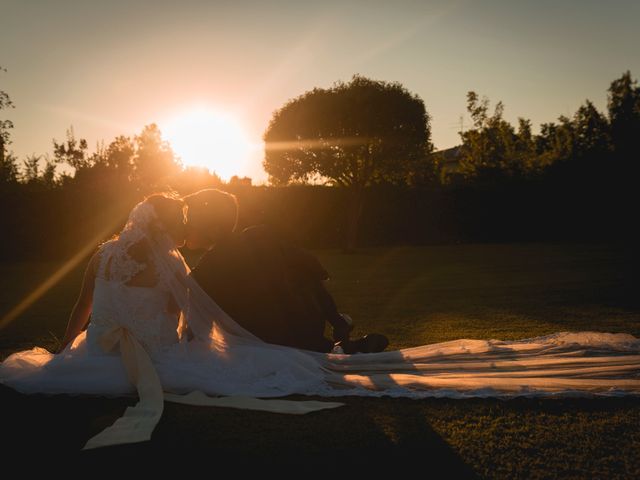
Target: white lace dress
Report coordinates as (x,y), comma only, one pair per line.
(581,363)
(84,367)
(143,310)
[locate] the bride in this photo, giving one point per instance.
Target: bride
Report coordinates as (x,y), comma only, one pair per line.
(138,302)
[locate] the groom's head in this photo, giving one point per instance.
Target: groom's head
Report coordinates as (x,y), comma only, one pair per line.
(211,215)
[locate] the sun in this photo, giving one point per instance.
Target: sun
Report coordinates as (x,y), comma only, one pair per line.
(204,137)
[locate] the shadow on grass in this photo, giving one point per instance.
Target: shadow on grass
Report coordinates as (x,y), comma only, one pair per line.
(366,433)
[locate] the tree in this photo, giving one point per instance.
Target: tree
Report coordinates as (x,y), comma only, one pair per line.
(591,133)
(555,141)
(236,180)
(578,148)
(8,168)
(493,149)
(145,163)
(73,152)
(623,103)
(525,146)
(115,163)
(352,135)
(154,162)
(8,171)
(119,157)
(35,177)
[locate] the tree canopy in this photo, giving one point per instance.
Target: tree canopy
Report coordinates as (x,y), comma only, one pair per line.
(352,134)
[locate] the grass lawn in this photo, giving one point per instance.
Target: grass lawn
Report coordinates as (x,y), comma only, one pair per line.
(414,295)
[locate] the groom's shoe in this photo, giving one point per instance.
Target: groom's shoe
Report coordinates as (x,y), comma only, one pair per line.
(371,343)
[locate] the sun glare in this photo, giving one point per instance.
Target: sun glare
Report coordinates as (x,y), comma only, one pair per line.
(207,138)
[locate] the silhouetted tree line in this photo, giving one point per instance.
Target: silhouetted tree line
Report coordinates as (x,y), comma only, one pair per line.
(370,142)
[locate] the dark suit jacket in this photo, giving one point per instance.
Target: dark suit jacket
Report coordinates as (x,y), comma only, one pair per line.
(259,280)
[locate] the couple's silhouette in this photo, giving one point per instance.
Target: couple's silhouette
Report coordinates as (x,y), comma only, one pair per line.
(268,285)
(248,321)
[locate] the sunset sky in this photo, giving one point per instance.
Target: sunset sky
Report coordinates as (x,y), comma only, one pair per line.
(111,67)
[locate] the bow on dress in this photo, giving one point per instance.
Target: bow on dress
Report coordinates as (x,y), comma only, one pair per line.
(138,422)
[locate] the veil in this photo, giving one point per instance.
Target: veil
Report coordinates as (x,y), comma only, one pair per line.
(207,321)
(584,363)
(290,370)
(565,363)
(210,324)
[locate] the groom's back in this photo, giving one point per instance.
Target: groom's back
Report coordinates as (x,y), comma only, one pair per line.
(255,277)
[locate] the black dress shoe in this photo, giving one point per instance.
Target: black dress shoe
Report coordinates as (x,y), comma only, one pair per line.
(371,343)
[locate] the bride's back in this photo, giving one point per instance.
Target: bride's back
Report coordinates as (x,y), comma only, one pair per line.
(128,292)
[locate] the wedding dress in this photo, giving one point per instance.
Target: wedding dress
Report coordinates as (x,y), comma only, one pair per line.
(134,346)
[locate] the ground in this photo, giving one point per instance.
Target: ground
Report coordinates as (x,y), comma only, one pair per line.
(415,295)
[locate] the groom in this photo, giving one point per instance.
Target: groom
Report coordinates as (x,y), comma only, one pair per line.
(269,286)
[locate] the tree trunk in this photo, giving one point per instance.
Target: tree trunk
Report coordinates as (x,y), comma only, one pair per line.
(356,201)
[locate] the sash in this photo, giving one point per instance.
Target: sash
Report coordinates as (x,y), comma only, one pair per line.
(138,422)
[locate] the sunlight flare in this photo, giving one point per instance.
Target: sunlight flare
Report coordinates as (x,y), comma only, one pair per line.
(208,138)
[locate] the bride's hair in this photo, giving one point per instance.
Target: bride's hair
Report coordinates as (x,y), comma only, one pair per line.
(214,210)
(170,210)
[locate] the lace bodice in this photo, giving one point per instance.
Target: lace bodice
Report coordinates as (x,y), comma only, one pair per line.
(144,310)
(117,264)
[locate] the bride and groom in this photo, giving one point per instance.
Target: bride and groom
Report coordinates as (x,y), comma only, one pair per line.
(151,329)
(269,286)
(248,322)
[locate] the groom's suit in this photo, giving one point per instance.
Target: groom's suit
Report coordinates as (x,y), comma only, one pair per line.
(270,287)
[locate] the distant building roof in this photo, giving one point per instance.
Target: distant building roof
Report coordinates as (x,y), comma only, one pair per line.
(450,157)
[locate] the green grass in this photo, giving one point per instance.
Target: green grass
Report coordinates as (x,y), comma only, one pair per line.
(414,295)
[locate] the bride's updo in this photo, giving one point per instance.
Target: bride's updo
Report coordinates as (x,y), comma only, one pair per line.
(170,210)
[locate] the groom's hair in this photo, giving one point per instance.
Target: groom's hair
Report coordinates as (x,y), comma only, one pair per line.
(213,209)
(168,207)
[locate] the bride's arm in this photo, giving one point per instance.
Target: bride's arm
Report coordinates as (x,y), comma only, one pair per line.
(82,309)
